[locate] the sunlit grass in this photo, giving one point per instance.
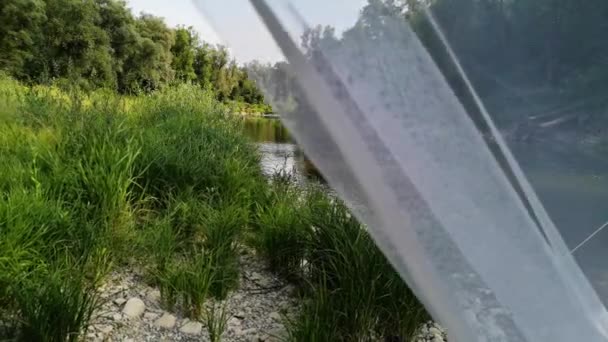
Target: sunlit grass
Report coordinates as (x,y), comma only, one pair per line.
(85,177)
(168,181)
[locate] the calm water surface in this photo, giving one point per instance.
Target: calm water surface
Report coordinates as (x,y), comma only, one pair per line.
(279,151)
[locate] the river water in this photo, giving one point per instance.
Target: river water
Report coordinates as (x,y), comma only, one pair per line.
(571,181)
(278,150)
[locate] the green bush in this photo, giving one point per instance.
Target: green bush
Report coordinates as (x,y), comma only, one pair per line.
(282,229)
(222,229)
(47,286)
(187,281)
(350,291)
(368,296)
(189,144)
(55,305)
(194,229)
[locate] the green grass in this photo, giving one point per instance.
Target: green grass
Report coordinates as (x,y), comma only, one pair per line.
(281,228)
(169,182)
(195,250)
(85,178)
(216,319)
(350,291)
(366,294)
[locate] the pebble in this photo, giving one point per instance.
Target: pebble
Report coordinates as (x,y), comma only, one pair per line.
(252,316)
(120,301)
(167,321)
(431,332)
(434,331)
(233,321)
(134,308)
(153,296)
(105,329)
(275,316)
(150,315)
(191,328)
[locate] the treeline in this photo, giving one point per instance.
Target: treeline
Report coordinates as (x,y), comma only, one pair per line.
(543,59)
(100,43)
(277,82)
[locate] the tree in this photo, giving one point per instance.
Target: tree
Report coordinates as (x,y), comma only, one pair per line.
(99,43)
(118,22)
(73,44)
(20,28)
(149,68)
(184,54)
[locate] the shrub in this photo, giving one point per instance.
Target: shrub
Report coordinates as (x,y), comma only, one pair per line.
(281,230)
(367,295)
(350,291)
(187,281)
(55,305)
(189,144)
(222,229)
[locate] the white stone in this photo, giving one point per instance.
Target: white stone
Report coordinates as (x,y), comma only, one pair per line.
(240,315)
(275,316)
(237,331)
(233,321)
(120,301)
(117,316)
(153,296)
(191,328)
(105,329)
(264,282)
(167,321)
(134,308)
(150,315)
(434,331)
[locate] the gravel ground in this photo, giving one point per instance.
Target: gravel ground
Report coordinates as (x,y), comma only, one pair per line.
(131,311)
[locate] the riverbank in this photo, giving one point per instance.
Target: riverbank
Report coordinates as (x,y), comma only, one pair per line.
(254,311)
(163,193)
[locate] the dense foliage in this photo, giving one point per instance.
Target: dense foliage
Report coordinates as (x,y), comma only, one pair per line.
(100,43)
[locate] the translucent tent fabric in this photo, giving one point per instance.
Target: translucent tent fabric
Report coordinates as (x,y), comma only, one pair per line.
(387,110)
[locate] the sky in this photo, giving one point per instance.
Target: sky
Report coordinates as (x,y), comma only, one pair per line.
(234,23)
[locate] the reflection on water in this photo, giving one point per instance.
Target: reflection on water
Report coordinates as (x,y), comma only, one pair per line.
(267,131)
(279,151)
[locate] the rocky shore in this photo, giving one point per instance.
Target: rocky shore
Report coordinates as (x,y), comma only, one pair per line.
(131,311)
